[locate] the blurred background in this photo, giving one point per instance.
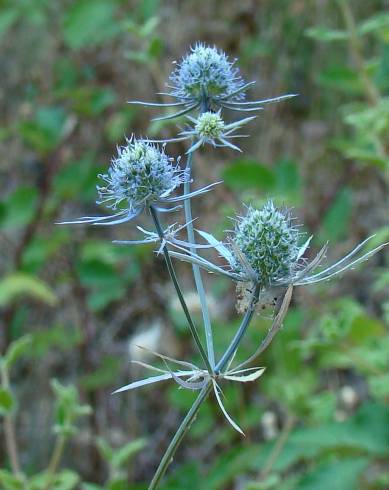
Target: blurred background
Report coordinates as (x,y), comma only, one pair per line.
(74,306)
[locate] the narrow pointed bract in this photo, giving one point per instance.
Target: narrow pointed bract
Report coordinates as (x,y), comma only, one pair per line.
(264,249)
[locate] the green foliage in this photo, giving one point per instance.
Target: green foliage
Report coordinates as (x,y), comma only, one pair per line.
(19,208)
(7,401)
(15,351)
(19,285)
(89,23)
(46,130)
(67,408)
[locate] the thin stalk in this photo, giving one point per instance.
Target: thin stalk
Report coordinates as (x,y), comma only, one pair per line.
(372,94)
(179,435)
(187,422)
(278,447)
(174,279)
(196,269)
(9,431)
(55,460)
(240,332)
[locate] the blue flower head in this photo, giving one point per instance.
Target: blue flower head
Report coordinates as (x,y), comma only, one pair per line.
(206,75)
(206,80)
(268,243)
(141,173)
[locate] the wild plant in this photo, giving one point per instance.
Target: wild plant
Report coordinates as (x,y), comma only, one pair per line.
(264,253)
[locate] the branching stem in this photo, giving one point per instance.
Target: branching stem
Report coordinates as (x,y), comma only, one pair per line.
(196,269)
(174,279)
(191,415)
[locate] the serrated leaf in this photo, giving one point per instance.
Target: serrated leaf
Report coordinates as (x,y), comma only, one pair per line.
(323,34)
(17,349)
(23,285)
(375,23)
(124,454)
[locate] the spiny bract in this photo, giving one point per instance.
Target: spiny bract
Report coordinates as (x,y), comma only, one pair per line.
(206,72)
(268,242)
(141,172)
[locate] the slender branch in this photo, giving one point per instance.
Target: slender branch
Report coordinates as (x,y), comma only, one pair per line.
(196,269)
(371,91)
(278,447)
(240,332)
(174,279)
(275,327)
(55,460)
(179,435)
(186,423)
(9,431)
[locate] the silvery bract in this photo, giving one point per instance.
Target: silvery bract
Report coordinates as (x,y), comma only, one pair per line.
(141,175)
(207,80)
(264,249)
(210,128)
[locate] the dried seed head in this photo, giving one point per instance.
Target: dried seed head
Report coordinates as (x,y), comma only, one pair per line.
(268,242)
(206,72)
(141,173)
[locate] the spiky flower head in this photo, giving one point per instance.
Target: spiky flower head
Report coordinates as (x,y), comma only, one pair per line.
(210,125)
(206,73)
(142,172)
(268,242)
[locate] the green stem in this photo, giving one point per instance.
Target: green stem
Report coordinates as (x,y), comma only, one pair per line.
(188,420)
(196,269)
(179,435)
(55,460)
(240,332)
(174,279)
(9,431)
(371,91)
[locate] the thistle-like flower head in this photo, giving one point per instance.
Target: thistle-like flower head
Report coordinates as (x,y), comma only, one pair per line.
(206,74)
(142,172)
(267,241)
(210,125)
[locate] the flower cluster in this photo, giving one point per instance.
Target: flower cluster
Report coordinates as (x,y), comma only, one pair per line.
(206,75)
(269,242)
(263,253)
(142,172)
(264,250)
(207,80)
(140,176)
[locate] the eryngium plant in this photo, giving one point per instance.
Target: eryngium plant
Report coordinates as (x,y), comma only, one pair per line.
(265,251)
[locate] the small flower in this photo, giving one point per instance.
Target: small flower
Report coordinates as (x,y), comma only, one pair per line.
(210,128)
(206,78)
(264,249)
(209,125)
(141,175)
